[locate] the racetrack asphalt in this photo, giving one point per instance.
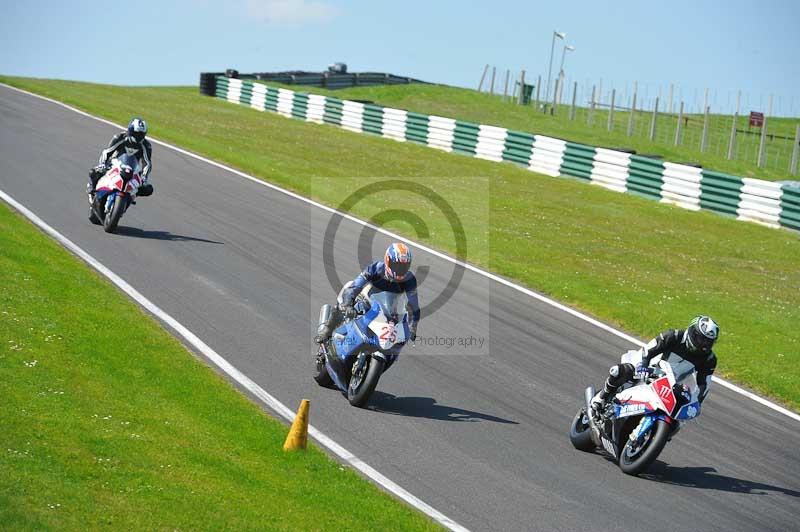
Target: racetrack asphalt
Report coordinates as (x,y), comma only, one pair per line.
(481,434)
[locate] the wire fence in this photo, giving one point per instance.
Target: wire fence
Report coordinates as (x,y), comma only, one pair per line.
(708,122)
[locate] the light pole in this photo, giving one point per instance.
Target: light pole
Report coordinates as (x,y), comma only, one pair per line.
(550,70)
(567,48)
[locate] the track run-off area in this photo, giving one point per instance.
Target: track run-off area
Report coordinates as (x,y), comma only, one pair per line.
(482,438)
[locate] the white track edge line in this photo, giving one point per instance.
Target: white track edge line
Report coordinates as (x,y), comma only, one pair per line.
(544,299)
(270,401)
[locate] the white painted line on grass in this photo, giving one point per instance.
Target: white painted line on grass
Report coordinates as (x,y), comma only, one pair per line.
(275,405)
(496,278)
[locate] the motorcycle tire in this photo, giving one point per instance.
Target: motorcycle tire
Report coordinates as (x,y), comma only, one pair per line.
(93,216)
(633,465)
(580,432)
(112,217)
(360,390)
(321,375)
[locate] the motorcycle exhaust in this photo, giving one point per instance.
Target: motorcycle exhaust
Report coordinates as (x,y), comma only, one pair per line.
(588,395)
(325,314)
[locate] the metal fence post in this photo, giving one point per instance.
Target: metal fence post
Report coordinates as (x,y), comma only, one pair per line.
(631,116)
(611,110)
(555,96)
(574,96)
(505,89)
(538,86)
(653,120)
(590,116)
(679,127)
(763,143)
(521,86)
(491,86)
(704,137)
(795,152)
(732,141)
(483,76)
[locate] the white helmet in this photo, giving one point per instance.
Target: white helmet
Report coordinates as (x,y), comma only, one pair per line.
(137,129)
(701,334)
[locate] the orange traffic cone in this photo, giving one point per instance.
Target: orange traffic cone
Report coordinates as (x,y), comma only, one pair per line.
(298,433)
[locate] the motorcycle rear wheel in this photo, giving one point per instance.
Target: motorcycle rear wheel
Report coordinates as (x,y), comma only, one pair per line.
(580,432)
(93,216)
(634,461)
(362,385)
(321,375)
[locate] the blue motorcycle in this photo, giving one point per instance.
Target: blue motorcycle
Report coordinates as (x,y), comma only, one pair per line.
(362,348)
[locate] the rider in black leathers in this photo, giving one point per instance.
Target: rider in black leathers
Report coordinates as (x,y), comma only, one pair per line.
(133,142)
(693,344)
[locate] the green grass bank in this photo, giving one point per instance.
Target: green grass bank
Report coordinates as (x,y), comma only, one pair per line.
(103,426)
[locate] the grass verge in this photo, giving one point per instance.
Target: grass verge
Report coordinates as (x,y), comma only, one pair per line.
(121,427)
(482,108)
(637,264)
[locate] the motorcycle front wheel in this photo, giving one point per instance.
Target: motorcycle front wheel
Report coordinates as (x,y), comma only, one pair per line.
(112,217)
(634,459)
(366,372)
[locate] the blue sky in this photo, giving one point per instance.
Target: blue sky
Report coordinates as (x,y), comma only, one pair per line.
(751,46)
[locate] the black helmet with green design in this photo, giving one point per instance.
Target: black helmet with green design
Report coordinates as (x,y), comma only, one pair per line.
(701,334)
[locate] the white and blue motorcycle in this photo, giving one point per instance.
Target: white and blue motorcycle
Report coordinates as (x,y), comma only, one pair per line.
(362,348)
(636,424)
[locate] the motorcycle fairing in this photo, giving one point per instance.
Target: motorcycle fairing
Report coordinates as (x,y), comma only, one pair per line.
(690,411)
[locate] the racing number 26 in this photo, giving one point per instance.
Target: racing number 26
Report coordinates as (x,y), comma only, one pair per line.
(388,333)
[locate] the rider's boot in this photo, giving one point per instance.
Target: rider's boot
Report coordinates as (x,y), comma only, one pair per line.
(322,336)
(94,177)
(596,405)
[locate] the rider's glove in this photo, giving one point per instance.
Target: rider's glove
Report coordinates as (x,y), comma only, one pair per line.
(348,312)
(641,371)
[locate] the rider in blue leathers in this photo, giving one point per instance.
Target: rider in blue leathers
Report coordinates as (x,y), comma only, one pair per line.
(390,275)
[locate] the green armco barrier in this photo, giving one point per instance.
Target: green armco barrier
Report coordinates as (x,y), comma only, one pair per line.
(576,168)
(644,176)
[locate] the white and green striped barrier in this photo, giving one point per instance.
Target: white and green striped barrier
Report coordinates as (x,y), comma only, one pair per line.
(692,188)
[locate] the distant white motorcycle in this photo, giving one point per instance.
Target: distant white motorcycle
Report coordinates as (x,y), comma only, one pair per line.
(637,422)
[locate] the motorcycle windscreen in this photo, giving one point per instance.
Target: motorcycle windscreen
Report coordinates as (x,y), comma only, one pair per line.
(392,304)
(132,170)
(685,373)
(130,161)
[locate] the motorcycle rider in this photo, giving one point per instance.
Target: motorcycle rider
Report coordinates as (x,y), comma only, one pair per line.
(390,275)
(693,344)
(133,142)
